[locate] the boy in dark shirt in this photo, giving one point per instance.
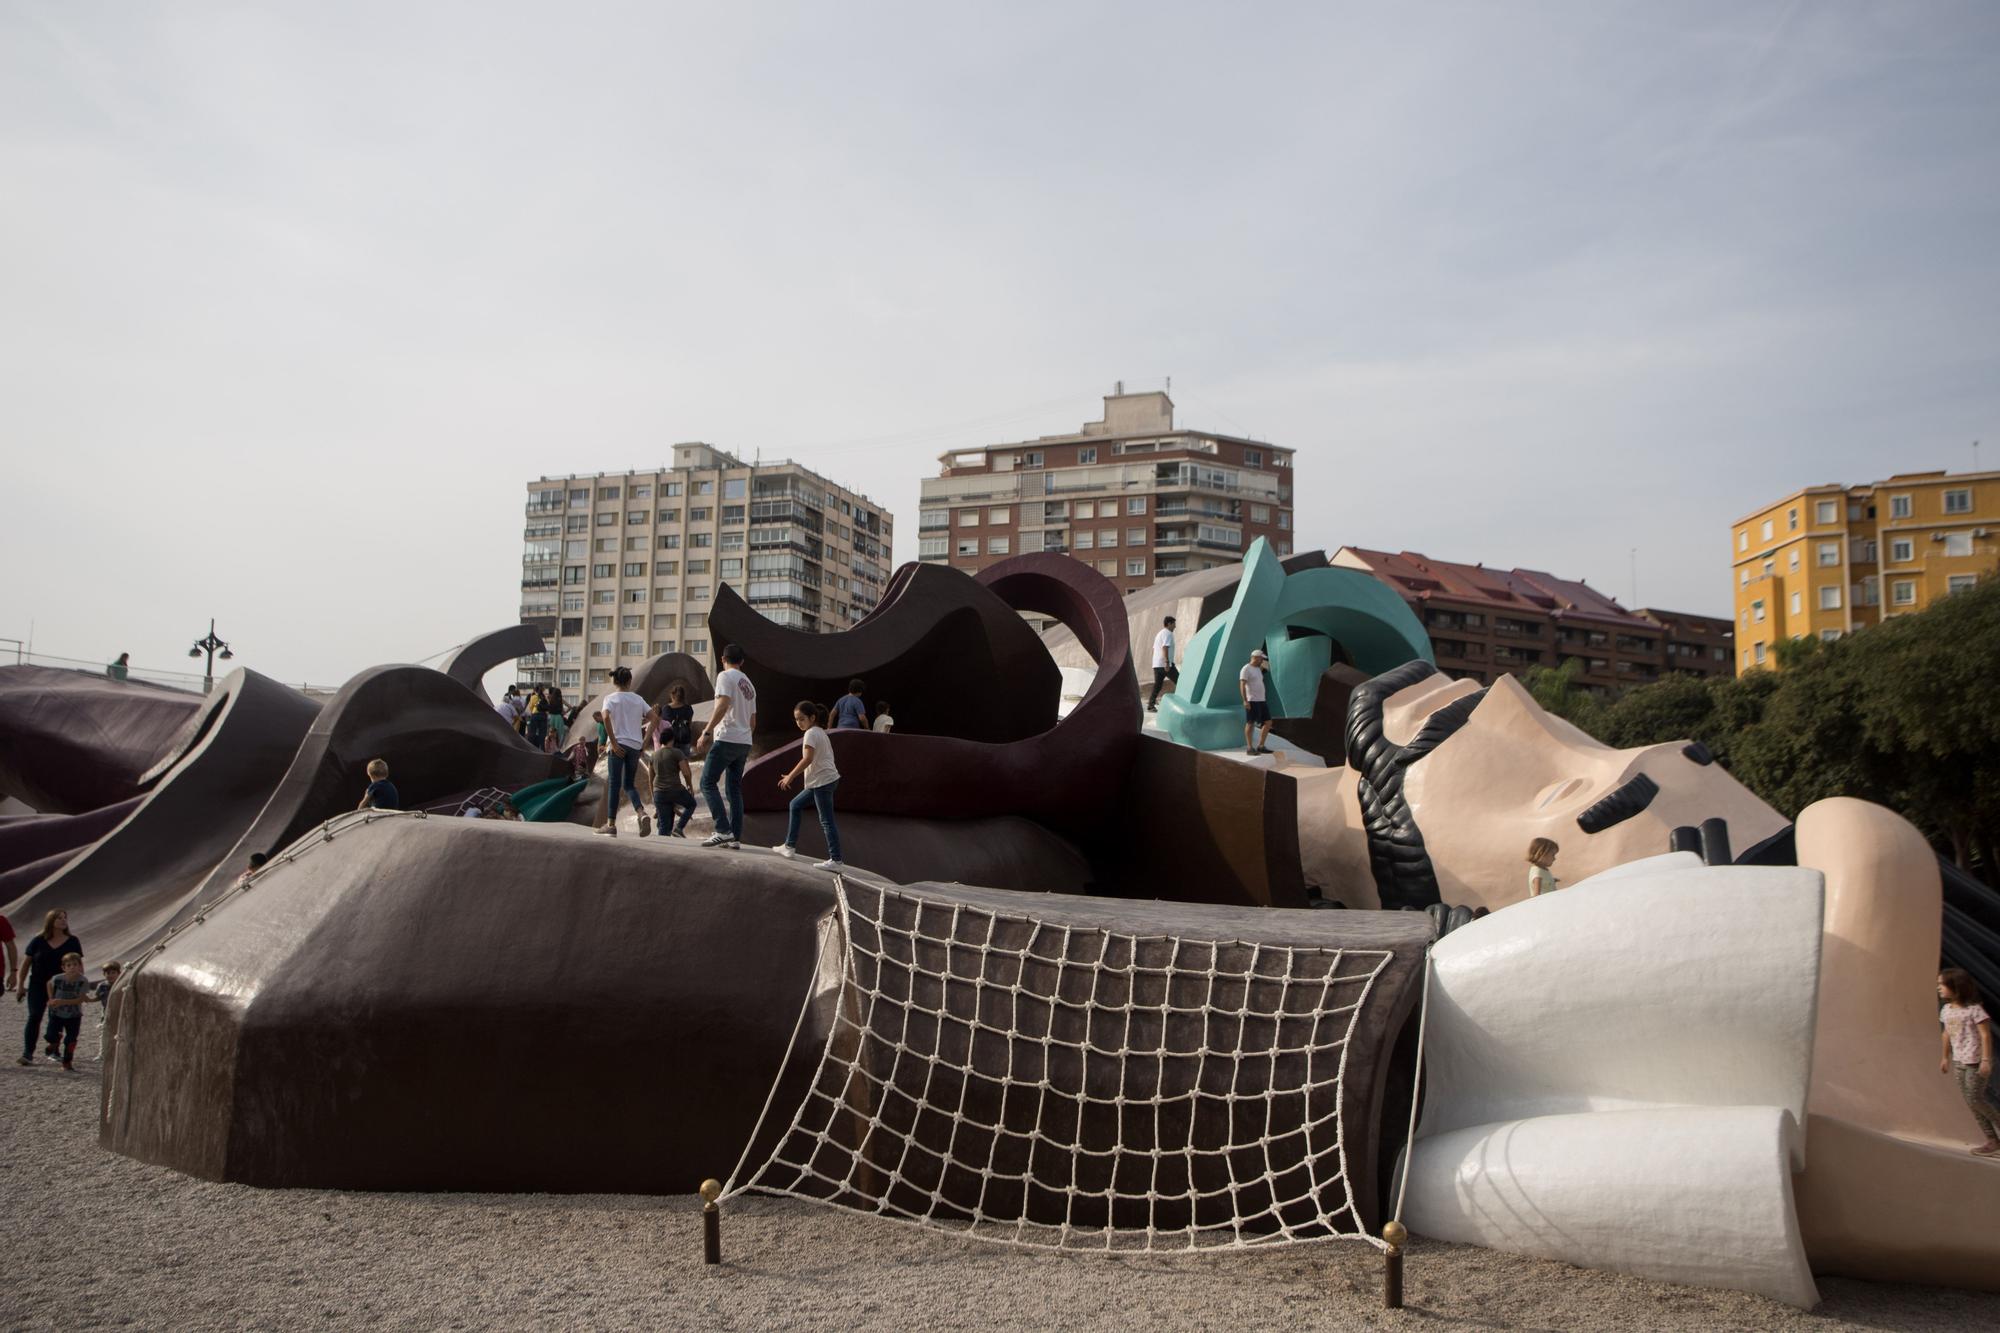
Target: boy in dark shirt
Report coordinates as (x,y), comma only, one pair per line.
(671,783)
(381,793)
(67,992)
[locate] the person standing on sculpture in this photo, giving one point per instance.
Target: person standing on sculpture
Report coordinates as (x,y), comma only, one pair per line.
(1541,867)
(849,711)
(1250,684)
(509,707)
(1968,1045)
(44,960)
(821,780)
(120,669)
(725,743)
(677,719)
(626,722)
(1164,669)
(673,797)
(538,717)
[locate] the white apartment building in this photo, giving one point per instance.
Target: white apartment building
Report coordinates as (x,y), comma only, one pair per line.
(618,567)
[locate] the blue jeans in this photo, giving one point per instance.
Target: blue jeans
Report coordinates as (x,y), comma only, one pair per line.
(821,797)
(725,757)
(622,774)
(680,798)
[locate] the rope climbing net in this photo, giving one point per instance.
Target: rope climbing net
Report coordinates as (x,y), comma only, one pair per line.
(1062,1086)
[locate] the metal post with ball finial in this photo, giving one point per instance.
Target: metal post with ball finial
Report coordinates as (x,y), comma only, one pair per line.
(1395,1233)
(711,1222)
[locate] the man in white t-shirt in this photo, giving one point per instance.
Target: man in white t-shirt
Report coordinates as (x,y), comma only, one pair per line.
(1256,711)
(726,739)
(1164,669)
(627,723)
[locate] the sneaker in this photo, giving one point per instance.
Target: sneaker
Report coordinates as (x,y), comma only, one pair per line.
(681,832)
(718,840)
(70,1067)
(645,827)
(1151,709)
(608,831)
(835,866)
(54,1053)
(1249,749)
(1262,750)
(25,1060)
(786,850)
(735,844)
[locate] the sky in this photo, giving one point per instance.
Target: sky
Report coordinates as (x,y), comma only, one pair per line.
(295,299)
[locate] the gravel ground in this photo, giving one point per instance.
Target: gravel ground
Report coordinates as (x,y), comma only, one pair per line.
(102,1241)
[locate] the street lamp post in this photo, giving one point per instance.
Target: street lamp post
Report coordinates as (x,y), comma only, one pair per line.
(209,645)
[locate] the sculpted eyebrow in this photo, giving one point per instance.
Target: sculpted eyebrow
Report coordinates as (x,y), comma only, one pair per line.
(1630,798)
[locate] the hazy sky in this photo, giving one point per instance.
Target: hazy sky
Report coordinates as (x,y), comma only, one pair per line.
(295,297)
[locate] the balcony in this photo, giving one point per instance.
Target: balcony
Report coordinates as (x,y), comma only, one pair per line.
(536,509)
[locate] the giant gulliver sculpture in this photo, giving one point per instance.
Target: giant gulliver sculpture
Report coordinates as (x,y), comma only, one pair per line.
(350,1016)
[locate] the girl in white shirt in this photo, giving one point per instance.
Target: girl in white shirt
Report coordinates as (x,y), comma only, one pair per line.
(1541,856)
(821,780)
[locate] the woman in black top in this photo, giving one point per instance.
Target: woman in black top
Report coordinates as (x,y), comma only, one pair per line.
(44,960)
(677,719)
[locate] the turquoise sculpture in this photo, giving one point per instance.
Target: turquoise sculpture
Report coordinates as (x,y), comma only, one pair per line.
(1369,620)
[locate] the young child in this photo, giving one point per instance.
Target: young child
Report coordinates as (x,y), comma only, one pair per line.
(1968,1044)
(673,783)
(381,793)
(1541,862)
(112,971)
(67,992)
(883,722)
(848,710)
(821,780)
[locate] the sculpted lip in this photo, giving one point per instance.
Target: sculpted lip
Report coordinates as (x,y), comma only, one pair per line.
(1631,797)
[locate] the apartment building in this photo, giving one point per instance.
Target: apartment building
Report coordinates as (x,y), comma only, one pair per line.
(621,566)
(1828,560)
(1130,494)
(1485,623)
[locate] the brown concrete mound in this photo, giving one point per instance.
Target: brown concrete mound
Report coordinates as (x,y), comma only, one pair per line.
(50,718)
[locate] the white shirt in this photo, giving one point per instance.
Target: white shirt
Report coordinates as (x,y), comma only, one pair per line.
(883,722)
(1163,649)
(734,686)
(509,707)
(1253,684)
(625,713)
(822,770)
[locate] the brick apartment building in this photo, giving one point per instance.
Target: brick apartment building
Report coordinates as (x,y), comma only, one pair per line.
(1130,494)
(1486,622)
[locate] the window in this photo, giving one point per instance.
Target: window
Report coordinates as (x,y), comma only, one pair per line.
(666,594)
(697,592)
(1136,505)
(704,488)
(933,518)
(1764,532)
(636,543)
(997,546)
(1794,561)
(1085,539)
(634,517)
(1087,454)
(930,548)
(1961,583)
(1758,650)
(697,646)
(1796,607)
(671,488)
(1108,538)
(1260,513)
(663,646)
(607,492)
(700,539)
(601,571)
(572,601)
(1899,506)
(1903,592)
(1253,458)
(1826,511)
(607,544)
(1902,550)
(665,620)
(1829,598)
(642,492)
(635,596)
(580,498)
(631,647)
(631,622)
(1031,460)
(731,541)
(697,566)
(1829,554)
(699,514)
(1743,540)
(666,566)
(968,546)
(569,679)
(670,541)
(1135,566)
(1757,609)
(1792,519)
(1958,543)
(733,488)
(1770,566)
(730,567)
(1828,635)
(607,520)
(1107,566)
(603,597)
(576,523)
(635,569)
(998,514)
(1958,502)
(600,648)
(1743,577)
(575,550)
(968,518)
(670,516)
(1135,536)
(600,622)
(732,513)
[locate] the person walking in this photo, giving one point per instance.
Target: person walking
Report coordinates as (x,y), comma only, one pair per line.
(1541,861)
(1164,669)
(44,961)
(627,720)
(822,779)
(849,711)
(1968,1050)
(725,746)
(1256,710)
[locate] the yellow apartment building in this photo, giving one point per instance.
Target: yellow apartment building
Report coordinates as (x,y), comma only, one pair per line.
(1829,560)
